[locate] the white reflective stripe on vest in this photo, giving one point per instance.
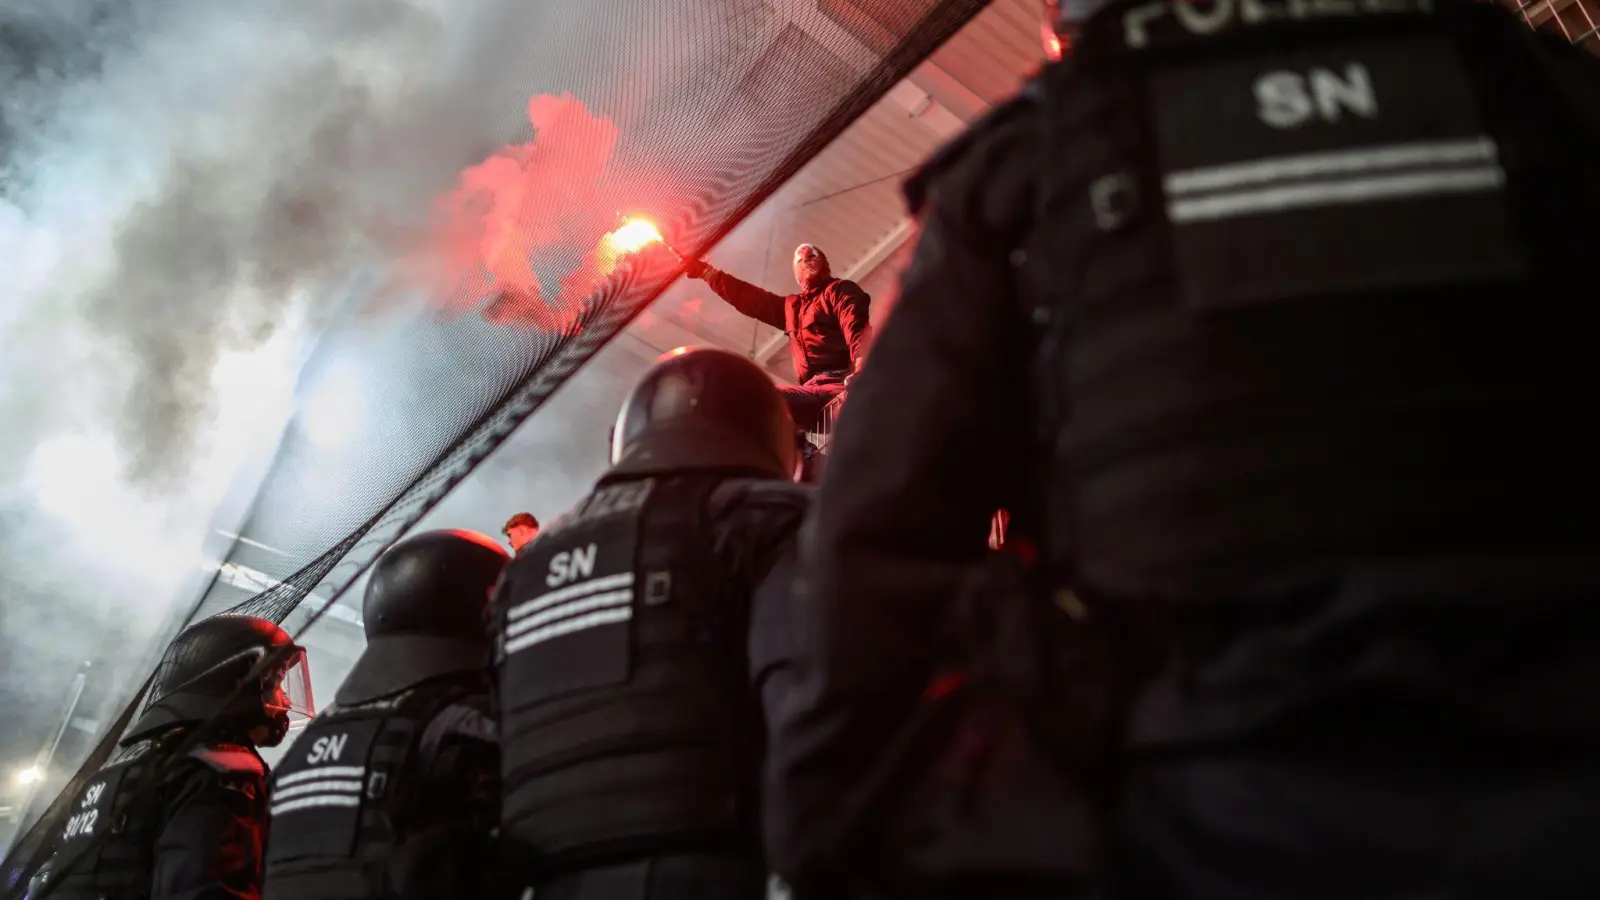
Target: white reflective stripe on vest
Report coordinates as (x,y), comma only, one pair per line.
(570,592)
(1299,181)
(320,787)
(344,800)
(568,626)
(284,781)
(607,600)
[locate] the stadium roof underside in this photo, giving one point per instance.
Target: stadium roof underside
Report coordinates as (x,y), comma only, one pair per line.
(790,120)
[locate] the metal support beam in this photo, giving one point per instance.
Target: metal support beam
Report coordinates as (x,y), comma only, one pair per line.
(948,91)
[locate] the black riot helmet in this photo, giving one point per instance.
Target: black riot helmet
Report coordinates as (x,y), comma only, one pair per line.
(239,671)
(425,612)
(700,408)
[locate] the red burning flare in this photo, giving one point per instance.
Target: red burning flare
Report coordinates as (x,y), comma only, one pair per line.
(529,218)
(633,236)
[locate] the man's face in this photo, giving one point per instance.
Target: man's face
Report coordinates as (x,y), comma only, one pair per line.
(810,266)
(521,534)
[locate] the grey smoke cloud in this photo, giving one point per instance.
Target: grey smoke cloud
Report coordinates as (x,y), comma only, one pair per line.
(185,188)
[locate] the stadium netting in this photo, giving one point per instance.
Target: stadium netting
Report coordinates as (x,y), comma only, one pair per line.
(689,113)
(715,103)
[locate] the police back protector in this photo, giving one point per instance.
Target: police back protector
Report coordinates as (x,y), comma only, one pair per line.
(621,683)
(118,806)
(1305,281)
(121,866)
(340,797)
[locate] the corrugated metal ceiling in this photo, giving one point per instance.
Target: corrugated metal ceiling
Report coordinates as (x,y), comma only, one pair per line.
(847,199)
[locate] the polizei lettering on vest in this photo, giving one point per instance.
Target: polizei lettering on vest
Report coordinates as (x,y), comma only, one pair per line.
(610,501)
(329,747)
(571,565)
(1210,19)
(1290,99)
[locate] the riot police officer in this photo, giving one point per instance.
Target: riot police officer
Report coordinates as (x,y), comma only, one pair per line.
(392,790)
(1258,317)
(631,737)
(176,816)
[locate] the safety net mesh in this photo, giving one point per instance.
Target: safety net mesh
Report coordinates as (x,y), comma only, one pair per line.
(688,113)
(685,114)
(1576,20)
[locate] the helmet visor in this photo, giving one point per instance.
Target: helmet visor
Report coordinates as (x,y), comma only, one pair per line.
(288,686)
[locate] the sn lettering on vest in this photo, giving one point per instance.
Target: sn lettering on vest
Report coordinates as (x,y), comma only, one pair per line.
(327,747)
(82,823)
(1290,99)
(571,565)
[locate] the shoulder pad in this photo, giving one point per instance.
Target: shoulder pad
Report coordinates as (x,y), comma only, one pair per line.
(917,186)
(230,759)
(763,492)
(136,750)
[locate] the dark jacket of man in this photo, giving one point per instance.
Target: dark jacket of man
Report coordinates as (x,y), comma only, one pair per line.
(828,325)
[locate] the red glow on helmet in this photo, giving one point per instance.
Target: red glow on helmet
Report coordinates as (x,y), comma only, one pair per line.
(478,538)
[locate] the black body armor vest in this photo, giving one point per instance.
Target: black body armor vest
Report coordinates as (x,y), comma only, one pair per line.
(1308,290)
(340,797)
(122,865)
(621,683)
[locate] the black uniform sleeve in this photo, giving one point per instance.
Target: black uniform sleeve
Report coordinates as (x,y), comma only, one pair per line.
(757,303)
(934,441)
(447,849)
(210,846)
(753,522)
(775,643)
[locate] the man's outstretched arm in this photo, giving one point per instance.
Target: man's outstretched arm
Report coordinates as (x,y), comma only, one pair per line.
(759,304)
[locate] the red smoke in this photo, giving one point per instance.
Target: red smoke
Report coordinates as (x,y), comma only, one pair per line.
(531,210)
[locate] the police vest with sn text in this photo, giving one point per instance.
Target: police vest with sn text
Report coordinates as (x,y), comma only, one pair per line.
(1303,282)
(340,797)
(621,684)
(122,865)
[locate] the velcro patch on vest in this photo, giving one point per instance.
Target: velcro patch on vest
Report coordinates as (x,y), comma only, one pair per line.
(567,626)
(1350,167)
(318,791)
(93,811)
